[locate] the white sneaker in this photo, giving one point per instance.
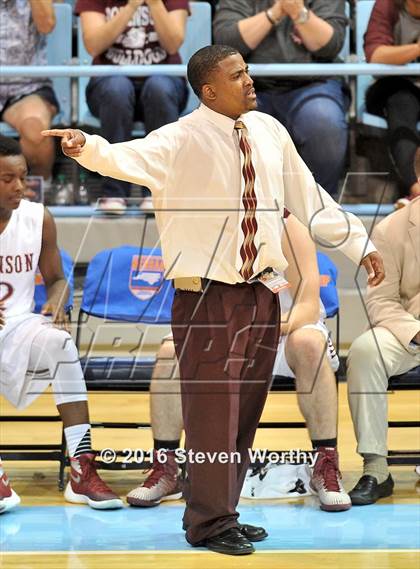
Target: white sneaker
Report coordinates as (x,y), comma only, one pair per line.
(326,481)
(113,206)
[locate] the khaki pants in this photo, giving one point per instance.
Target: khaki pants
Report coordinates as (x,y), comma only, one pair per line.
(373,358)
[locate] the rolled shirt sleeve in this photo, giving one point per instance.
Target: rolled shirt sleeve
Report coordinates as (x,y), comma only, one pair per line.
(328,223)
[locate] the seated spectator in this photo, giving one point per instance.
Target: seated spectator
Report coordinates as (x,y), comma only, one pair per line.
(312,109)
(393,36)
(133,32)
(390,347)
(305,352)
(35,349)
(28,104)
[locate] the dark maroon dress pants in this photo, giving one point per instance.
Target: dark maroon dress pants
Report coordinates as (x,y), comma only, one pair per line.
(226,340)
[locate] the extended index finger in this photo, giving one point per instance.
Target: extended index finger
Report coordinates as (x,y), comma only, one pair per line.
(60,132)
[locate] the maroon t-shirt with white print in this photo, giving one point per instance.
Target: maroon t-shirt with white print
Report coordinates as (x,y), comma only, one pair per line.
(139,43)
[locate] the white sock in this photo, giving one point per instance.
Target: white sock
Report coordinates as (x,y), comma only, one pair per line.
(78,439)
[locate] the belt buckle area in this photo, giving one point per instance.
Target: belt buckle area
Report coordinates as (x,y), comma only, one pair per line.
(191,284)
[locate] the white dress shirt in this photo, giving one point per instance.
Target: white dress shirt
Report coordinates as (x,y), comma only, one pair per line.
(193,169)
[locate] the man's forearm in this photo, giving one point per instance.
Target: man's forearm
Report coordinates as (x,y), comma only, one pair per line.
(43,15)
(58,292)
(254,29)
(396,54)
(99,38)
(315,32)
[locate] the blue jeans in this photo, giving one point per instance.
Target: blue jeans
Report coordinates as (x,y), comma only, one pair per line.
(315,116)
(118,101)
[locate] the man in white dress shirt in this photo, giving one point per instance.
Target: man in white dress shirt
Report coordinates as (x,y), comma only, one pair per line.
(220,178)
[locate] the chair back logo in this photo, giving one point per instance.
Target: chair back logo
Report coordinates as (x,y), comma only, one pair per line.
(324,280)
(38,278)
(146,276)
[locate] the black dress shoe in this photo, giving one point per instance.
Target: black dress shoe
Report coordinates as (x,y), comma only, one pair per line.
(230,542)
(368,491)
(252,533)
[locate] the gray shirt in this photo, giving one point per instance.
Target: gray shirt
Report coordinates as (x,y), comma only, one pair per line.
(407,29)
(279,46)
(20,44)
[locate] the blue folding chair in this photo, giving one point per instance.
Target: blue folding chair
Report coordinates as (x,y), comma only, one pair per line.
(125,284)
(58,53)
(328,290)
(198,34)
(40,296)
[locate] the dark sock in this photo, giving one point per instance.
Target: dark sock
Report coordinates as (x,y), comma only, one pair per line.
(375,465)
(168,445)
(324,443)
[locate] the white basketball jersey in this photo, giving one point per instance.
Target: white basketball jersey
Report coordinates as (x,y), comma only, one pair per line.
(20,247)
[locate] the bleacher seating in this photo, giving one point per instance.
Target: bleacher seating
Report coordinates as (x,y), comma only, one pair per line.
(59,43)
(363,12)
(344,54)
(198,34)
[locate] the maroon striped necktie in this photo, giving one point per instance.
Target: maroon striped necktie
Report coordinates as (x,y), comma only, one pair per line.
(249,199)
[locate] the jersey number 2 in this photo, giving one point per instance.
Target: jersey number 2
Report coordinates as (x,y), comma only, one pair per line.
(6,291)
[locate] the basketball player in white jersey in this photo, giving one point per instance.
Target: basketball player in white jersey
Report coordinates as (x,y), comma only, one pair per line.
(36,350)
(305,352)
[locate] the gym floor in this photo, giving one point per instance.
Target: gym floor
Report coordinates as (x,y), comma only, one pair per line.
(47,533)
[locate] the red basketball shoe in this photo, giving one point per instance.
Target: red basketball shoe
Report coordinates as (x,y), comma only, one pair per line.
(326,481)
(86,487)
(163,483)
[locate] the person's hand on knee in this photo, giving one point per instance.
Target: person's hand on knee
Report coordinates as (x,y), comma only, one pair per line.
(58,315)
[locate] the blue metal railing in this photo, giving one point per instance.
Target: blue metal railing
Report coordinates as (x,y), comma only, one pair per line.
(256,70)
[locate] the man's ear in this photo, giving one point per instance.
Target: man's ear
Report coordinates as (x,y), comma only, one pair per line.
(208,92)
